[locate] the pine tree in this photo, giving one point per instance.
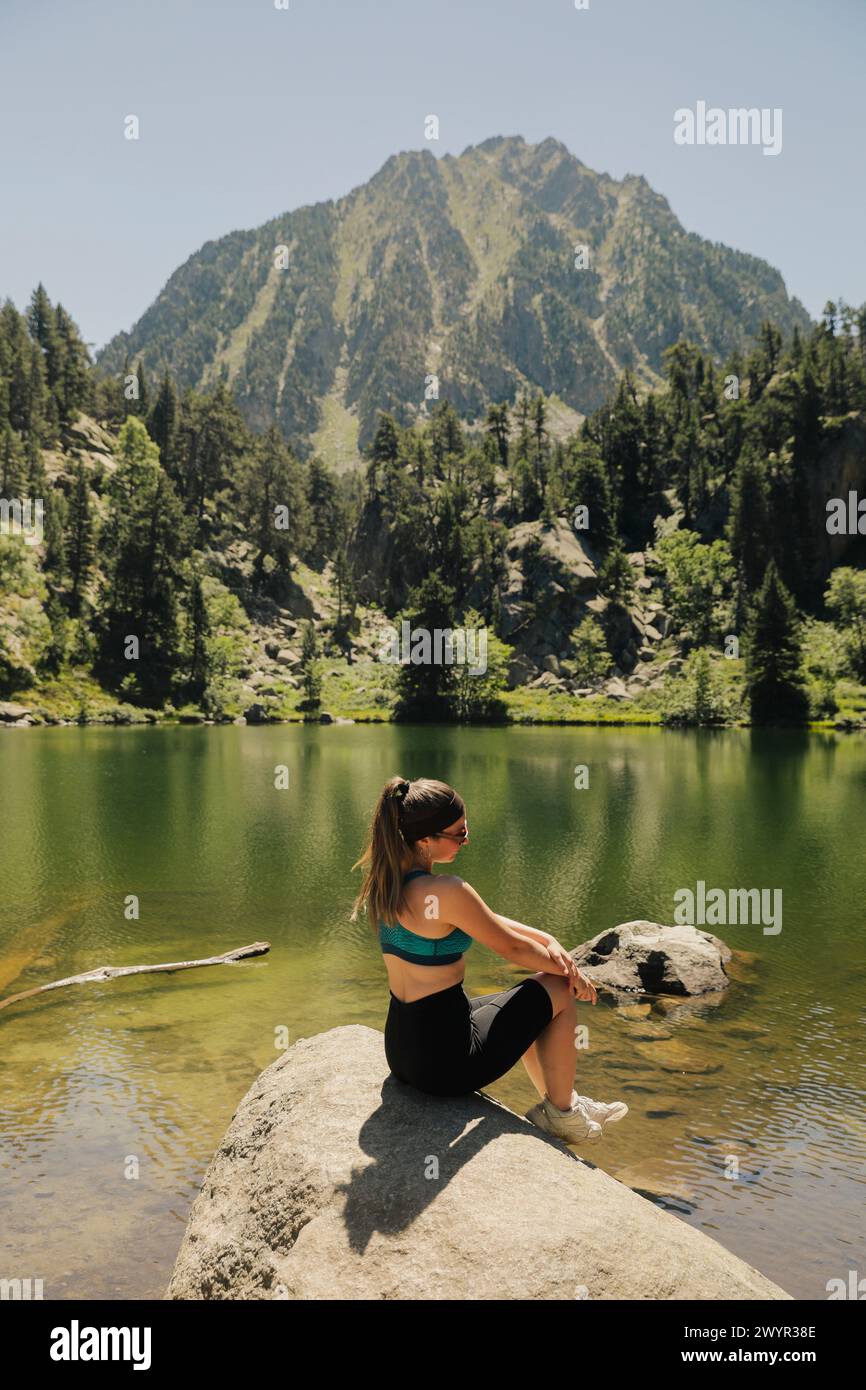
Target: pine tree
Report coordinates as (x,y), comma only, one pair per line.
(770,339)
(616,577)
(13,477)
(446,437)
(16,367)
(145,548)
(311,677)
(808,431)
(324,512)
(748,531)
(591,657)
(425,686)
(496,426)
(162,426)
(343,580)
(774,683)
(72,391)
(539,421)
(590,489)
(55,653)
(143,392)
(386,440)
(703,690)
(198,629)
(37,478)
(523,476)
(272,501)
(42,323)
(451,537)
(42,415)
(54,510)
(420,462)
(685,464)
(829,316)
(621,445)
(80,532)
(212,441)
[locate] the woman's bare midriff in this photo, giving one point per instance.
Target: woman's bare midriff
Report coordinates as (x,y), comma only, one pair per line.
(409,982)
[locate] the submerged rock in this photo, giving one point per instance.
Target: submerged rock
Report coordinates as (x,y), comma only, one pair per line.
(336,1181)
(657,1178)
(677,1056)
(649,1032)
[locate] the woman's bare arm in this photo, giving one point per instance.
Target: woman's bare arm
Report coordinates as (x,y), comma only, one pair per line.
(459,903)
(543,936)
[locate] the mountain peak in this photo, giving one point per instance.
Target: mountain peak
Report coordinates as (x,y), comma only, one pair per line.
(457,275)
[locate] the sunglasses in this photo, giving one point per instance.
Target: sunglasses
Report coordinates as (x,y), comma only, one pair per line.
(454,834)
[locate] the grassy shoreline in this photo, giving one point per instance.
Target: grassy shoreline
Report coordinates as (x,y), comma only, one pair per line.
(74,699)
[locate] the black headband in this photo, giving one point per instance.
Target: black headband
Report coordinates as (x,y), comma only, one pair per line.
(430,822)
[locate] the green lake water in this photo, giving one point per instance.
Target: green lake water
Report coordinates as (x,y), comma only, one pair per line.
(113,1096)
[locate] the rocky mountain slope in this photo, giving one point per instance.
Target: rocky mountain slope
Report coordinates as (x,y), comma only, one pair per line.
(461,269)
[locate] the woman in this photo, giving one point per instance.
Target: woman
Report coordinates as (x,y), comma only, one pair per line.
(437,1038)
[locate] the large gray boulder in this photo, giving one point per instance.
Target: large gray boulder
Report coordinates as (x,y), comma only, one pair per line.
(336,1181)
(648,958)
(10,713)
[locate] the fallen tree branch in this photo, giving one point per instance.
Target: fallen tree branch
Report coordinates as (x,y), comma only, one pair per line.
(111,972)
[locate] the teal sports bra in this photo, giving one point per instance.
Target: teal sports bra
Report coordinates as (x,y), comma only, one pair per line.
(422,950)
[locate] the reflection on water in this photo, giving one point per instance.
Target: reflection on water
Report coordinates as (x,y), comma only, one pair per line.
(747,1113)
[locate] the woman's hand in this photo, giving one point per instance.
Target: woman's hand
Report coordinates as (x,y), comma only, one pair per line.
(583,988)
(580,986)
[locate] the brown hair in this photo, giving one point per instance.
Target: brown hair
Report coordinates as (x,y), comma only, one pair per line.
(405,812)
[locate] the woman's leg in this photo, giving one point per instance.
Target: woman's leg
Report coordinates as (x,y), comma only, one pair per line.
(550,1061)
(501,1028)
(533,1067)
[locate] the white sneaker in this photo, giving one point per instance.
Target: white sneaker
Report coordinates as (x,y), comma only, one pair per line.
(573,1126)
(604,1114)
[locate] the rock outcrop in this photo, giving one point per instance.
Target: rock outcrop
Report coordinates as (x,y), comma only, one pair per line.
(551,587)
(648,958)
(11,713)
(336,1181)
(841,468)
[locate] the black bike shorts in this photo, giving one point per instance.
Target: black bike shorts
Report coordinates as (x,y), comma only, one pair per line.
(450,1044)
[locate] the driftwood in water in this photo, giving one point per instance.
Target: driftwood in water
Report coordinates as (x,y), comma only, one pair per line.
(111,972)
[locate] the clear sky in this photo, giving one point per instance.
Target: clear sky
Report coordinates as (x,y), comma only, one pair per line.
(247,111)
